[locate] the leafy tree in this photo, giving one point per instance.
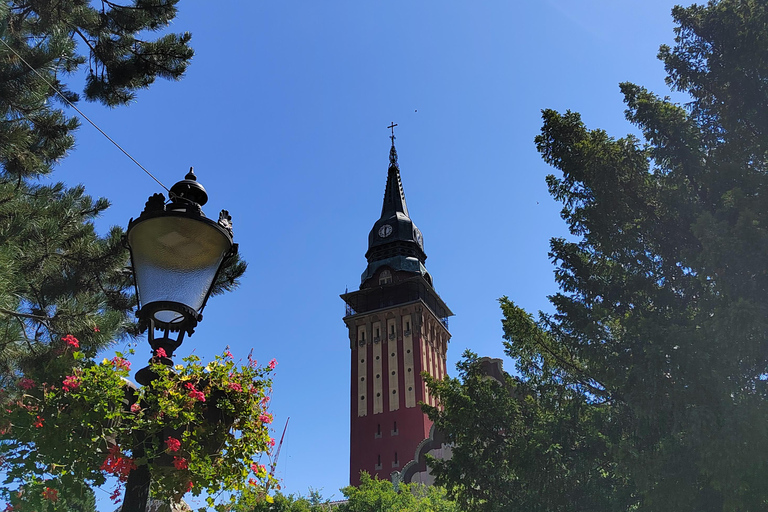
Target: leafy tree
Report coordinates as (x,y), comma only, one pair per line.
(519,447)
(374,495)
(314,502)
(658,341)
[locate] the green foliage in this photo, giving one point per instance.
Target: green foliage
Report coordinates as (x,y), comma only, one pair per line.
(198,428)
(517,446)
(314,502)
(374,495)
(646,389)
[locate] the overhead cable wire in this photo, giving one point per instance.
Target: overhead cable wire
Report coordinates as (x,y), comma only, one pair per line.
(110,139)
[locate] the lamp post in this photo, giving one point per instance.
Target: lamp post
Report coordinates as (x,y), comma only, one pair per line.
(176,254)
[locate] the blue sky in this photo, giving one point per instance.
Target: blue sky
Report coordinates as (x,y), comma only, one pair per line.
(283,114)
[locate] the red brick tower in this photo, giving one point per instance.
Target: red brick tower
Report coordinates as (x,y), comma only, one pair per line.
(397,330)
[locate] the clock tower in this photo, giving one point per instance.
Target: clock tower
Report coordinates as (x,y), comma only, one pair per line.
(398,329)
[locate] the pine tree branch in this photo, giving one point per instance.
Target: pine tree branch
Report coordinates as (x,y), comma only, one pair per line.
(18,314)
(85,39)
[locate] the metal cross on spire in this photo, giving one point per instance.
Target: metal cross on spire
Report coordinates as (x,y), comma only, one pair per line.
(392,150)
(392,127)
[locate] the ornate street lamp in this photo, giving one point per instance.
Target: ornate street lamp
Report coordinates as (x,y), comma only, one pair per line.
(176,254)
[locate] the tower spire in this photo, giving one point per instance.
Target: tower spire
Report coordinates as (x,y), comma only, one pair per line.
(394,196)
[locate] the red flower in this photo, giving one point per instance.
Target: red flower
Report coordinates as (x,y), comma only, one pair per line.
(180,463)
(115,496)
(38,422)
(71,341)
(96,329)
(234,386)
(190,485)
(272,364)
(161,352)
(26,383)
(71,383)
(117,465)
(173,444)
(51,494)
(135,408)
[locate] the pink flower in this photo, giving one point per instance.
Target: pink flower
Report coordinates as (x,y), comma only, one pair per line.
(229,354)
(272,364)
(265,418)
(173,444)
(96,329)
(135,408)
(180,463)
(71,341)
(71,383)
(271,442)
(26,383)
(38,422)
(190,485)
(161,352)
(234,386)
(120,363)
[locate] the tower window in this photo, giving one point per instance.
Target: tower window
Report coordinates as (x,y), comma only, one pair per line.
(378,431)
(391,329)
(385,277)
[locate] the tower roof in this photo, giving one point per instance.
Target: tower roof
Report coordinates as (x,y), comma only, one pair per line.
(395,241)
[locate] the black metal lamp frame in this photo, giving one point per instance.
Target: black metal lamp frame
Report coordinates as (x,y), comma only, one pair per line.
(187,198)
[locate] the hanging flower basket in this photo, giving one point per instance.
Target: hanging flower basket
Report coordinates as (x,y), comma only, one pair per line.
(198,427)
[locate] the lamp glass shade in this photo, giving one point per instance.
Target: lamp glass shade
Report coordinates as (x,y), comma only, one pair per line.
(175,260)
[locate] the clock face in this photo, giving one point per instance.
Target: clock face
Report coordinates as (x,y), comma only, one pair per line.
(385,231)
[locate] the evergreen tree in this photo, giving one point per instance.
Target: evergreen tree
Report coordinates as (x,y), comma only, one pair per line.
(57,275)
(657,354)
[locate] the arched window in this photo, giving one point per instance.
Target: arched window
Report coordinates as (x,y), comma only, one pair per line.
(385,277)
